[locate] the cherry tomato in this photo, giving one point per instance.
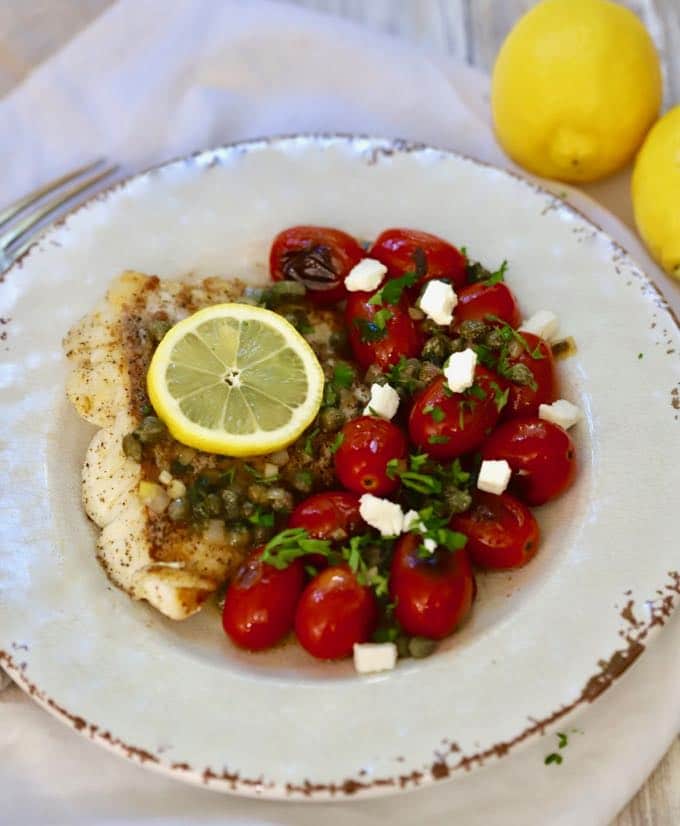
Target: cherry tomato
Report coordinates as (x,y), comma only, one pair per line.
(476,301)
(399,336)
(319,257)
(396,247)
(524,399)
(259,607)
(446,424)
(333,613)
(433,594)
(330,515)
(501,531)
(541,456)
(368,444)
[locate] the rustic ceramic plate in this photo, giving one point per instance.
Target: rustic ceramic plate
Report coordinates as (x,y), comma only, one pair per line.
(541,642)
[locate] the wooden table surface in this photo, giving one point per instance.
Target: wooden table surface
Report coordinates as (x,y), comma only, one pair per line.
(32,30)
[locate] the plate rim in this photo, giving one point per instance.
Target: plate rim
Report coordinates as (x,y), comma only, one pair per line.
(636,634)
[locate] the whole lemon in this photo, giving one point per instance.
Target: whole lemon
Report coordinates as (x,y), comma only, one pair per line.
(576,86)
(656,192)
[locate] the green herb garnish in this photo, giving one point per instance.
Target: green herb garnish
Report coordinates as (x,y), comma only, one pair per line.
(391,292)
(343,374)
(339,439)
(438,440)
(435,412)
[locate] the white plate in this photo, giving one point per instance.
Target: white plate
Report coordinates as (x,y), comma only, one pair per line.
(540,643)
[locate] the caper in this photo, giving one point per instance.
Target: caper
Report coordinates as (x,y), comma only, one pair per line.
(132,447)
(372,556)
(473,330)
(178,510)
(303,481)
(456,500)
(338,341)
(476,272)
(151,430)
(410,369)
(208,507)
(494,338)
(520,374)
(231,502)
(402,647)
(158,327)
(280,499)
(210,478)
(428,371)
(419,647)
(261,533)
(257,494)
(331,419)
(238,537)
(185,455)
(436,349)
(374,375)
(457,345)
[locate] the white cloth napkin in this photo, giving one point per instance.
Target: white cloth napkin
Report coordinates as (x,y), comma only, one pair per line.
(152,79)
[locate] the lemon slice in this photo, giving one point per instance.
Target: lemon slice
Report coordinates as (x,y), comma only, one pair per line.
(236,380)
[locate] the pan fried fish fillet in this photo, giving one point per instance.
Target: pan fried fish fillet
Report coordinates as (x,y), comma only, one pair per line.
(109,352)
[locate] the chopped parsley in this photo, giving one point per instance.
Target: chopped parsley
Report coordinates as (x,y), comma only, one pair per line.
(497,276)
(309,442)
(339,439)
(553,758)
(438,440)
(343,374)
(640,355)
(263,518)
(391,292)
(435,412)
(500,397)
(374,329)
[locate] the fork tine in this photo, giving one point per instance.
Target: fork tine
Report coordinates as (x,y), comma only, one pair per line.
(33,218)
(18,206)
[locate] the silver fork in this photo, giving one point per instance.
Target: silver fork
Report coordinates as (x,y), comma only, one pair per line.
(18,232)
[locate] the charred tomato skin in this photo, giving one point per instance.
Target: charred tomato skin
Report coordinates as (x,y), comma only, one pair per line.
(396,249)
(315,255)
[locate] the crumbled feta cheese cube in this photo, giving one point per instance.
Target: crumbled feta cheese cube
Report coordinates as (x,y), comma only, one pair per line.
(411,521)
(381,514)
(164,477)
(384,401)
(494,476)
(365,276)
(561,412)
(543,323)
(430,545)
(374,656)
(438,301)
(460,370)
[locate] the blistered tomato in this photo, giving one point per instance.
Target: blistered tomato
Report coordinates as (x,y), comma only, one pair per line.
(477,301)
(501,531)
(434,594)
(333,613)
(318,257)
(380,339)
(541,456)
(367,445)
(396,249)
